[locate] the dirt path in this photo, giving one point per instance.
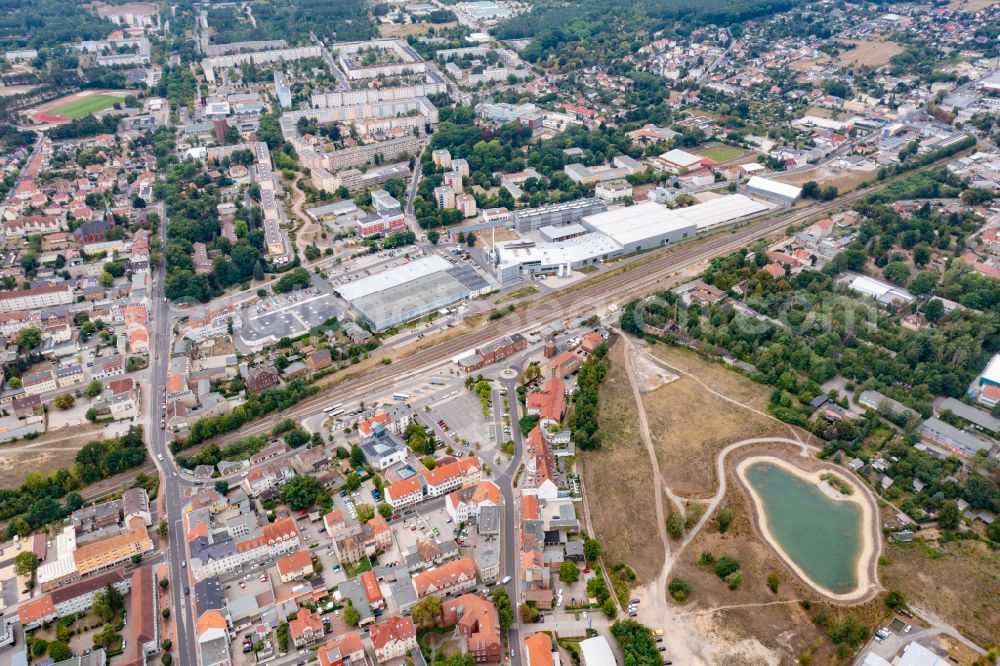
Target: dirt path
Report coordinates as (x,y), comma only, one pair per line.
(308,230)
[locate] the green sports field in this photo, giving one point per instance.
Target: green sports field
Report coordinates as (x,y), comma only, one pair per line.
(722,153)
(81,107)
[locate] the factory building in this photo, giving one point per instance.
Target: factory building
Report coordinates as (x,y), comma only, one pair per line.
(412,290)
(530,219)
(598,237)
(772,189)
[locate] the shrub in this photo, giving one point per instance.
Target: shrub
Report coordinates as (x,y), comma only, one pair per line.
(679,590)
(772,582)
(675,525)
(724,518)
(726,565)
(706,558)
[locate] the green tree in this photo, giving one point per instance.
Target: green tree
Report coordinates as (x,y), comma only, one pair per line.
(59,650)
(896,271)
(94,388)
(591,549)
(568,572)
(29,338)
(357,456)
(895,599)
(106,279)
(222,486)
(427,612)
(305,492)
(505,609)
(351,615)
(91,415)
(39,646)
(26,563)
(433,237)
(64,401)
(365,512)
(934,310)
(949,516)
(385,510)
(102,607)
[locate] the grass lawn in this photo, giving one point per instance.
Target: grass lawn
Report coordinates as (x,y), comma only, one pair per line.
(85,106)
(722,153)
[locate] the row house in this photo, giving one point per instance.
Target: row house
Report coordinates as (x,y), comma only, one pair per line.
(31,225)
(39,382)
(449,579)
(266,478)
(12,323)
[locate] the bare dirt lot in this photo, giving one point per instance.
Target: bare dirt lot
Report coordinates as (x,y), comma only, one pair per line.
(402,31)
(752,625)
(845,181)
(869,52)
(960,585)
(970,5)
(619,476)
(45,454)
(690,425)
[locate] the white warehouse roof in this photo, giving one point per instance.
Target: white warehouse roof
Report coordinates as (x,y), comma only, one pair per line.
(681,157)
(783,190)
(637,223)
(992,371)
(394,277)
(572,251)
(596,652)
(721,210)
(880,291)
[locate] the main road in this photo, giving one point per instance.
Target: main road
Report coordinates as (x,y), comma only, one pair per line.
(171,484)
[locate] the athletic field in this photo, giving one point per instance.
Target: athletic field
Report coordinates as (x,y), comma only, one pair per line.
(722,153)
(83,106)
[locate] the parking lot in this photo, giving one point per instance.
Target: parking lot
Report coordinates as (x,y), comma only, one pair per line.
(463,415)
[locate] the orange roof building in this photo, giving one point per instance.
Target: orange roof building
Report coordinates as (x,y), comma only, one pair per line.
(393,638)
(477,619)
(37,611)
(451,578)
(346,648)
(538,649)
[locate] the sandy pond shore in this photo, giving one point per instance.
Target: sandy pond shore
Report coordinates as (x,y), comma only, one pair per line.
(870,542)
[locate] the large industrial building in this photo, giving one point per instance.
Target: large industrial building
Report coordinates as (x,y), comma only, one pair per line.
(529,219)
(412,290)
(571,241)
(773,189)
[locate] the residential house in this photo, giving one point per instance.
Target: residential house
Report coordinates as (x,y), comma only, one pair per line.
(393,638)
(449,579)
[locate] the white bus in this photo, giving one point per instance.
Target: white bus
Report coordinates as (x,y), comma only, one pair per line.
(336,412)
(400,396)
(339,407)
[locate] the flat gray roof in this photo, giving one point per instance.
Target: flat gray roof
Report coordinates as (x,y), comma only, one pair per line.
(411,299)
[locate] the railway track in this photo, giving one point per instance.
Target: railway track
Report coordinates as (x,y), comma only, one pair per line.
(624,285)
(619,287)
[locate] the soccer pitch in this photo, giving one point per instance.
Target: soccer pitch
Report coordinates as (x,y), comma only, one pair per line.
(82,107)
(722,153)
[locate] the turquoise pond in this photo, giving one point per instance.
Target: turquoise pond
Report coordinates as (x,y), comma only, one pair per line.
(820,535)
